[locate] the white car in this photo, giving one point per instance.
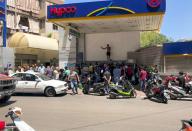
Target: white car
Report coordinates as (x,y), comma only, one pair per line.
(31,82)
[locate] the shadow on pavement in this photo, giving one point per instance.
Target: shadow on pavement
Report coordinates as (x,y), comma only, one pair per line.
(154,100)
(7,103)
(189,99)
(35,95)
(120,98)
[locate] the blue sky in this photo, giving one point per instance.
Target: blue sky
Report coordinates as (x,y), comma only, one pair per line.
(177,22)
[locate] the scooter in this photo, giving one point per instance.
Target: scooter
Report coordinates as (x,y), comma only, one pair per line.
(126,90)
(176,92)
(186,125)
(155,89)
(17,124)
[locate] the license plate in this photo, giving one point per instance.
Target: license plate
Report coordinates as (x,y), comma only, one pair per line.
(8,92)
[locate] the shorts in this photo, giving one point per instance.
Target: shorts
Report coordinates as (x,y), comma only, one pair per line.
(108,54)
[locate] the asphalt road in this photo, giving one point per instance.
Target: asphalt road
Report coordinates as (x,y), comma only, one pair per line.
(96,113)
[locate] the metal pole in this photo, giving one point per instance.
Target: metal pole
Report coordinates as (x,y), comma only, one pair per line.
(4,33)
(164,63)
(5,27)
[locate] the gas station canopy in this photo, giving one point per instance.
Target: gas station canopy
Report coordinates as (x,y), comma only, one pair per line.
(110,15)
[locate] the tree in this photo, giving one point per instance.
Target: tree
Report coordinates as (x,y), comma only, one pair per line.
(185,40)
(153,38)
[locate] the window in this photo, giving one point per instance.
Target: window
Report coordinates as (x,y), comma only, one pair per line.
(42,24)
(24,21)
(30,77)
(19,76)
(55,27)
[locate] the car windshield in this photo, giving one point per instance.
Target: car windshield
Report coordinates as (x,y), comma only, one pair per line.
(43,77)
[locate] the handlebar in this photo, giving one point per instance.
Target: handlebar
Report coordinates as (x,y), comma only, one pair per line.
(6,115)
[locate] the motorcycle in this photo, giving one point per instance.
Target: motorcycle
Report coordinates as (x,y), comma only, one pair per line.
(155,89)
(186,125)
(124,90)
(96,88)
(176,92)
(17,124)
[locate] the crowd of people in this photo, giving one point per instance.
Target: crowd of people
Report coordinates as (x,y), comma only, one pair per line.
(96,72)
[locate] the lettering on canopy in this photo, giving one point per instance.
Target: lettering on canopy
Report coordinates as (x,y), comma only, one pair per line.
(59,11)
(105,8)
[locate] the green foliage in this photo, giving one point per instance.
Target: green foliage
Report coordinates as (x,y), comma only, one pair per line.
(153,38)
(184,40)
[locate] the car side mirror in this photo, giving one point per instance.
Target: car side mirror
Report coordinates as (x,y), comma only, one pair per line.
(37,80)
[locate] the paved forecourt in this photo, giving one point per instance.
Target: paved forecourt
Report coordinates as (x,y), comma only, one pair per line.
(96,113)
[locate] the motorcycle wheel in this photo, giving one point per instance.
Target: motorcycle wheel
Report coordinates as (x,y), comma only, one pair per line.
(101,92)
(111,96)
(173,97)
(85,92)
(148,93)
(85,89)
(164,99)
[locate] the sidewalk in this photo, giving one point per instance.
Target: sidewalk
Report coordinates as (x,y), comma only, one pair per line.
(140,94)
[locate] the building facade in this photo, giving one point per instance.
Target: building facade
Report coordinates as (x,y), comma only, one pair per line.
(29,16)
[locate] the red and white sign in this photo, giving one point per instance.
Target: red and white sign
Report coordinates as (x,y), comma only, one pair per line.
(154,3)
(59,11)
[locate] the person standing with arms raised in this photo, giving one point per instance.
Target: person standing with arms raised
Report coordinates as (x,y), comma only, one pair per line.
(108,48)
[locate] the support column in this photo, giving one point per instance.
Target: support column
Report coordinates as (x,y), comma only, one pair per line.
(7,58)
(67,49)
(81,48)
(164,63)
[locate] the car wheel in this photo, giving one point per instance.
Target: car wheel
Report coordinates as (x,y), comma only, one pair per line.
(5,99)
(50,92)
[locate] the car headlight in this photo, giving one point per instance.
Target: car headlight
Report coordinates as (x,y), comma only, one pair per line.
(61,86)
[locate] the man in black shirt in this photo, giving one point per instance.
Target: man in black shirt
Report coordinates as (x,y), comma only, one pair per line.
(181,80)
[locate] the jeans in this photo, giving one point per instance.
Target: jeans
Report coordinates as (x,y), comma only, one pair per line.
(116,79)
(106,88)
(142,85)
(74,86)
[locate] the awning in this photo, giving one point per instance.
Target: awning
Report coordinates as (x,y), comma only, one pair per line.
(107,16)
(177,48)
(23,40)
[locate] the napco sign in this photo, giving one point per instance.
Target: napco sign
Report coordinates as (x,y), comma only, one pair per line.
(59,11)
(154,3)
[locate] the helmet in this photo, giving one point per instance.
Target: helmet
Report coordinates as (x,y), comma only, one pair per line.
(17,111)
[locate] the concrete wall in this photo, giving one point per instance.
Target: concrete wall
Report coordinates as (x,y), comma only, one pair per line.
(120,42)
(148,56)
(175,64)
(67,49)
(6,57)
